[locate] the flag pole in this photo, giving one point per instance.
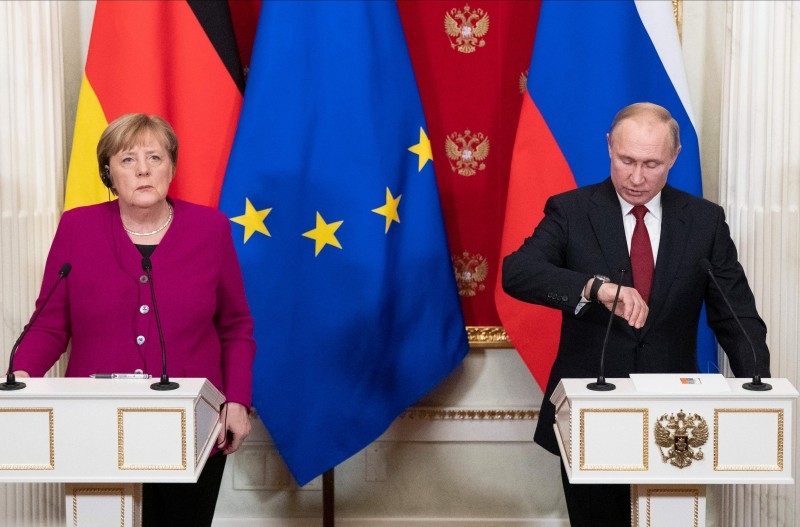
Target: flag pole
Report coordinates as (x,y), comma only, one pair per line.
(327,498)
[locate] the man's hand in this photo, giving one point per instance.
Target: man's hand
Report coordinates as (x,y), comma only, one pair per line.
(235,427)
(630,306)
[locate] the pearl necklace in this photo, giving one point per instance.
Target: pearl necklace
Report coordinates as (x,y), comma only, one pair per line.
(166,223)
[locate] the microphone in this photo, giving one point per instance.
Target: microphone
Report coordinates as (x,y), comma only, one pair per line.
(756,385)
(164,384)
(11,380)
(601,385)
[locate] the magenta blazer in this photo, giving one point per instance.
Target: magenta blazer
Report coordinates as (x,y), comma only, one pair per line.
(105,309)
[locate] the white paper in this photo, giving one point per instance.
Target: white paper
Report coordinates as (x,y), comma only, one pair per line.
(680,383)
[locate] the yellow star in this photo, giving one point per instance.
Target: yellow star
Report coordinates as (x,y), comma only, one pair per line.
(390,209)
(252,220)
(422,149)
(323,235)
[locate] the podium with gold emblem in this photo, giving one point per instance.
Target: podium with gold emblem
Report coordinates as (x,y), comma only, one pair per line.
(671,435)
(103,438)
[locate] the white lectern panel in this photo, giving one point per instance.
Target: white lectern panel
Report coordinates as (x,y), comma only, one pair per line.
(678,434)
(614,450)
(152,438)
(33,428)
(77,430)
(103,505)
(749,439)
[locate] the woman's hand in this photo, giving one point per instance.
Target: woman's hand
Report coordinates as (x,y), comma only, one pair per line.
(235,427)
(22,374)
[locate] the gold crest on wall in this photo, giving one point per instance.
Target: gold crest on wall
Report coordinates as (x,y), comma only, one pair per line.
(471,270)
(467,152)
(465,29)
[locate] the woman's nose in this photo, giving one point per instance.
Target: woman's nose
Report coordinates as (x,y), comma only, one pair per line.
(141,167)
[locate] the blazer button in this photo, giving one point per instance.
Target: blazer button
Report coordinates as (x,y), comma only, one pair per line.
(143,279)
(140,340)
(144,309)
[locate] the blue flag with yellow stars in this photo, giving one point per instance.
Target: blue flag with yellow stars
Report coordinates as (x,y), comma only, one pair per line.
(331,190)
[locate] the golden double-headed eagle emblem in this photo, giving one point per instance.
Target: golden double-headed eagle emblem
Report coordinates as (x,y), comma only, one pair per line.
(466,28)
(471,270)
(680,436)
(466,152)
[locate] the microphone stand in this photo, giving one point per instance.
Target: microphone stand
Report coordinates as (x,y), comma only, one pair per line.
(601,385)
(164,384)
(11,379)
(756,385)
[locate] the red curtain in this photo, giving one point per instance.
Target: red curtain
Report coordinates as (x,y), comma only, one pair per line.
(470,60)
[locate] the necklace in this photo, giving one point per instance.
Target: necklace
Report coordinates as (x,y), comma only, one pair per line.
(166,223)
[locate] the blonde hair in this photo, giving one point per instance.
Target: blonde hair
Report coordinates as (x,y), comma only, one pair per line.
(129,130)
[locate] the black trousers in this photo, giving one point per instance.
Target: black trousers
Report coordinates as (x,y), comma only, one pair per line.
(591,505)
(184,504)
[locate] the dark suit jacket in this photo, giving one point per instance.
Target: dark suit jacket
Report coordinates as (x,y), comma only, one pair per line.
(582,234)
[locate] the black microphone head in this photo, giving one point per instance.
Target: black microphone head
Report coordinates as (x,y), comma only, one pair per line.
(147,265)
(65,269)
(706,265)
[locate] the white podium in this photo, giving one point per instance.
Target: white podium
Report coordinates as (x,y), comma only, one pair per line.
(103,438)
(670,435)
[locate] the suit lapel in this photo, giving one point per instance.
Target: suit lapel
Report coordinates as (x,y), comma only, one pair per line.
(606,219)
(675,229)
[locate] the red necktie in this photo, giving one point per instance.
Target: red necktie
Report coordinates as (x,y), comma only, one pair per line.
(641,254)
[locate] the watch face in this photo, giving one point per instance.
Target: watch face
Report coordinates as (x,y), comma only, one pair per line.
(602,278)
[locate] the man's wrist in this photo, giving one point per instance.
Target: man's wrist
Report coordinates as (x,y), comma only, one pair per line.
(598,281)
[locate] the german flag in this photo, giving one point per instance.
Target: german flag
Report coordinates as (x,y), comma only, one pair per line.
(176,59)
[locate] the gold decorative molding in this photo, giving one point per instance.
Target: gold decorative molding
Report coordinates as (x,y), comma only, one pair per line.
(690,493)
(52,461)
(440,414)
(778,466)
(121,439)
(102,491)
(677,12)
(621,468)
(488,337)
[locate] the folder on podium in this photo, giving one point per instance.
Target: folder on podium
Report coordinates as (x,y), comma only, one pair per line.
(669,435)
(104,437)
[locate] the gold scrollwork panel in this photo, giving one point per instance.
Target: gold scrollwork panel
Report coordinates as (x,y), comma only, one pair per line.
(488,337)
(615,418)
(126,434)
(752,425)
(33,421)
(100,491)
(666,493)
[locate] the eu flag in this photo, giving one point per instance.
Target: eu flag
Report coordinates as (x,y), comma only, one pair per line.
(339,231)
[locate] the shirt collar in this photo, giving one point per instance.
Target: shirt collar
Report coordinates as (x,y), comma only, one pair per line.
(653,206)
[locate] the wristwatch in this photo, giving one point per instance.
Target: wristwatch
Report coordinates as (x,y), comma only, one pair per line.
(599,280)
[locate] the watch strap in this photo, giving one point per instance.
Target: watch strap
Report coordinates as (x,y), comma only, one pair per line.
(594,289)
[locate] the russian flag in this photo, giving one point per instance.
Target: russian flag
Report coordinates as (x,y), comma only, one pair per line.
(590,59)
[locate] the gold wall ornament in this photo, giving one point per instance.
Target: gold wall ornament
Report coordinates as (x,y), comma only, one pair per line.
(471,270)
(681,435)
(466,29)
(466,152)
(488,337)
(523,82)
(677,12)
(438,414)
